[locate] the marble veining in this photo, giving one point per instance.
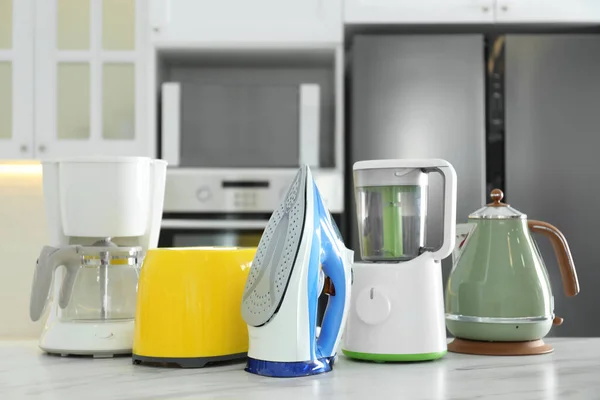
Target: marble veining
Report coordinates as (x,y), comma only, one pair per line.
(572,371)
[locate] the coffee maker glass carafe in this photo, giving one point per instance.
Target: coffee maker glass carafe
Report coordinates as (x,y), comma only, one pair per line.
(105,285)
(99,282)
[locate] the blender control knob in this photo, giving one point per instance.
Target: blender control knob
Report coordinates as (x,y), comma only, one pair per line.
(372,305)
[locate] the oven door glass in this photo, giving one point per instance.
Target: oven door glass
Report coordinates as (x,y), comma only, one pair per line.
(178,231)
(215,238)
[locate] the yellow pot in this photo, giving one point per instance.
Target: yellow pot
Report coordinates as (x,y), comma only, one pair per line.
(188,306)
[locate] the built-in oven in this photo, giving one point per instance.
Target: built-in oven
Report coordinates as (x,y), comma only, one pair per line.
(230,207)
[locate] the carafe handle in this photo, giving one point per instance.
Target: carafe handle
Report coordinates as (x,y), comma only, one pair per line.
(562,252)
(51,258)
(449,236)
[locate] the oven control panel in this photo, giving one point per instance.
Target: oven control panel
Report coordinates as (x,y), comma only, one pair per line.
(205,191)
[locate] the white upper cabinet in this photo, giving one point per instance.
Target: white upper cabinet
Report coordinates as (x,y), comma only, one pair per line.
(16,79)
(89,78)
(548,11)
(190,23)
(418,11)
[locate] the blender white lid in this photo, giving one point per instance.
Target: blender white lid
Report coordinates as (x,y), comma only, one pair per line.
(401,163)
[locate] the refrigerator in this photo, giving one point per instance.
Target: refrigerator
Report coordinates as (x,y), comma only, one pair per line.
(516,111)
(552,146)
(419,96)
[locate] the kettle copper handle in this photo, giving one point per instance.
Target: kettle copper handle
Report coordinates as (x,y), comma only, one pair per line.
(562,252)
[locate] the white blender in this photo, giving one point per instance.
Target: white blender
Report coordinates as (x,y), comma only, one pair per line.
(103,214)
(397,306)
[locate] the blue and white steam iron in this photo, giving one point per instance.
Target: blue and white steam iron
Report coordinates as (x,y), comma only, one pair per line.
(299,246)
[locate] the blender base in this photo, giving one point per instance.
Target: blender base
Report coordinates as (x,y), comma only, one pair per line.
(528,348)
(381,358)
(396,312)
(95,339)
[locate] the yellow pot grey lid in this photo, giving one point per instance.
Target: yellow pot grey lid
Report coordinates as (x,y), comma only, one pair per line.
(497,210)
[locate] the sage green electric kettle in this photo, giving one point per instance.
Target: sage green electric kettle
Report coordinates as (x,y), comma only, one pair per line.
(499,289)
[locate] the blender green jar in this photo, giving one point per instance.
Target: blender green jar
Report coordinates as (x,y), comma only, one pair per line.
(498,290)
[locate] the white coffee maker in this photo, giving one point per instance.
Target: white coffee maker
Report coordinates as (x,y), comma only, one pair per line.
(103,214)
(397,306)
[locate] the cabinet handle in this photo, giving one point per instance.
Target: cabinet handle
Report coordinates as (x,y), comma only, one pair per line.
(504,8)
(485,8)
(23,148)
(42,148)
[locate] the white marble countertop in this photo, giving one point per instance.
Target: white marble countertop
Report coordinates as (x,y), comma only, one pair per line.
(571,372)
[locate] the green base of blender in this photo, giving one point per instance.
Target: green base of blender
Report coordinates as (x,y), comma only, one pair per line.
(381,358)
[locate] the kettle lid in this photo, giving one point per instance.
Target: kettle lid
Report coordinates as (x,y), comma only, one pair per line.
(497,210)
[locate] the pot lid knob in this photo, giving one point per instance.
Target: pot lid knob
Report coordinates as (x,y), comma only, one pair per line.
(497,209)
(497,195)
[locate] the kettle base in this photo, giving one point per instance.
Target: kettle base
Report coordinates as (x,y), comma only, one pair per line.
(532,347)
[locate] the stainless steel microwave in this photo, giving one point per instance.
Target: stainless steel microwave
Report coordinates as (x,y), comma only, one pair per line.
(251,109)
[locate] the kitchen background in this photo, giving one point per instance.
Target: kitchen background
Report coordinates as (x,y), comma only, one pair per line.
(234,94)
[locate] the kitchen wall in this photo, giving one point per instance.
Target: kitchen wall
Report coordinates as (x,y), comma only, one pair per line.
(23,232)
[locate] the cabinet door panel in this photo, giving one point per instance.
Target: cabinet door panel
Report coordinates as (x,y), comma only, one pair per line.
(6,26)
(118,24)
(16,79)
(6,109)
(73,101)
(118,101)
(242,21)
(89,76)
(548,11)
(419,11)
(73,24)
